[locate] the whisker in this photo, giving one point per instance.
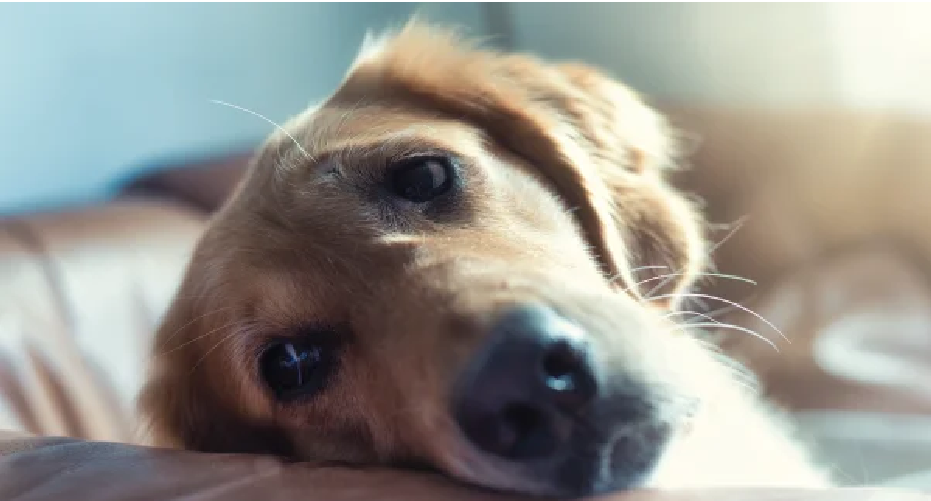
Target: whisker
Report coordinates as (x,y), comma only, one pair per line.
(704,274)
(721,325)
(648,267)
(263,117)
(225,338)
(202,336)
(695,313)
(701,304)
(195,319)
(698,315)
(659,286)
(633,271)
(715,298)
(737,226)
(732,277)
(720,311)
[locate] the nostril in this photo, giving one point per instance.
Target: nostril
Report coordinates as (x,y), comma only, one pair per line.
(568,374)
(528,432)
(517,431)
(560,364)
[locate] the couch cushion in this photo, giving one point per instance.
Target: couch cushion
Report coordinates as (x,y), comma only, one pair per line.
(79,295)
(53,469)
(809,183)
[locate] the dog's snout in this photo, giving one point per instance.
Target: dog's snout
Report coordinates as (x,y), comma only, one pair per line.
(518,397)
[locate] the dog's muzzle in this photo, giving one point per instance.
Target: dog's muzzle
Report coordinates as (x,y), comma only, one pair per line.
(534,399)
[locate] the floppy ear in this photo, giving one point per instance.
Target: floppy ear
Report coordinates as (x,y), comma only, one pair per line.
(663,229)
(181,404)
(597,143)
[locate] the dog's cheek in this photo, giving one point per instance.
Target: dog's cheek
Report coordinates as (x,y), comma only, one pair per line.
(335,440)
(183,414)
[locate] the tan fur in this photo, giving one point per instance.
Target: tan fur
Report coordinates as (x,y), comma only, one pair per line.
(564,201)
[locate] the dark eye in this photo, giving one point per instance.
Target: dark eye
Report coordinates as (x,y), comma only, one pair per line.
(421,179)
(295,368)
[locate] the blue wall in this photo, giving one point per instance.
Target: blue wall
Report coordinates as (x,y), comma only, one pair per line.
(90,93)
(758,54)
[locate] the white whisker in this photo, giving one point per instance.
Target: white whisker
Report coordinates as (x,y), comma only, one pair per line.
(194,320)
(720,311)
(224,339)
(263,117)
(705,274)
(201,336)
(737,226)
(611,279)
(695,313)
(738,328)
(715,298)
(649,267)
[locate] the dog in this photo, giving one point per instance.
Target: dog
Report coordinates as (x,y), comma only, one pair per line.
(466,261)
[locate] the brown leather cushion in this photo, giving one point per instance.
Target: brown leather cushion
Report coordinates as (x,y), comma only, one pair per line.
(205,184)
(53,469)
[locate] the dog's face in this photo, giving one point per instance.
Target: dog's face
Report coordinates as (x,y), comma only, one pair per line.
(439,267)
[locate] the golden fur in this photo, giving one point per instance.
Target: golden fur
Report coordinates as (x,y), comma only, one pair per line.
(564,200)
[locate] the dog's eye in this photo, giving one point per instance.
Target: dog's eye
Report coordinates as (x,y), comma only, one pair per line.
(421,179)
(295,368)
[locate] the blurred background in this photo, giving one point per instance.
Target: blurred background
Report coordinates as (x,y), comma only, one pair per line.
(811,123)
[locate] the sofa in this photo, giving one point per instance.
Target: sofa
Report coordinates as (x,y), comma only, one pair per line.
(833,231)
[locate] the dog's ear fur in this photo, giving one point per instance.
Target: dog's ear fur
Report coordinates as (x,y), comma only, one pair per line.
(663,229)
(602,148)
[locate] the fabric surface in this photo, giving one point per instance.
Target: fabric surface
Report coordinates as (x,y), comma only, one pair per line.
(54,469)
(80,293)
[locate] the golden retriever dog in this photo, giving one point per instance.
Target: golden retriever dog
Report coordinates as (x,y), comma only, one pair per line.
(468,262)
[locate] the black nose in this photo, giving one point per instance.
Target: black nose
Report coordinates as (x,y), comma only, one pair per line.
(519,397)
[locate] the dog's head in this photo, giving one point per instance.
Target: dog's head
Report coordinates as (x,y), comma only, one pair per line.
(447,263)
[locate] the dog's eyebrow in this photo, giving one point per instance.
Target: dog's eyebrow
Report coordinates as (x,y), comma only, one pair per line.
(388,148)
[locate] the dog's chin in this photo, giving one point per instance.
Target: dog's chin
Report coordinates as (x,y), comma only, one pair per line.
(632,458)
(624,462)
